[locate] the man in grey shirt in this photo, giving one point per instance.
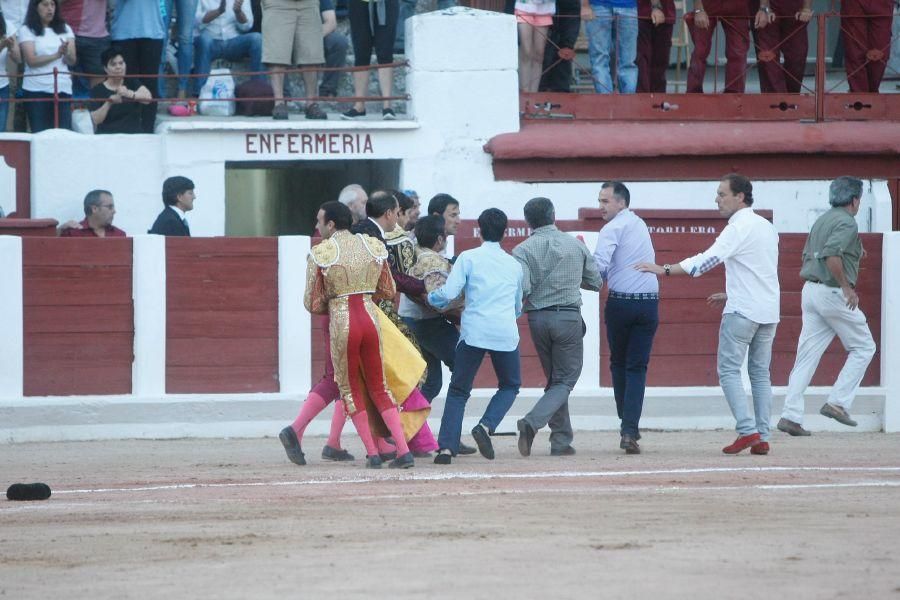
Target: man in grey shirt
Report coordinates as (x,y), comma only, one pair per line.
(831,307)
(556,267)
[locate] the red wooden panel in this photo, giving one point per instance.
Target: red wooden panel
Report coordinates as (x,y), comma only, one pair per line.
(261,323)
(78,316)
(77,285)
(76,251)
(222,315)
(232,379)
(79,319)
(17,154)
(61,379)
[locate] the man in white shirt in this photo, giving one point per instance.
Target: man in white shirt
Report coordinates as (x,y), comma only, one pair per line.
(224,32)
(749,248)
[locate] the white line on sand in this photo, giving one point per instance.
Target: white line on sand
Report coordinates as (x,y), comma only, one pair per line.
(456,475)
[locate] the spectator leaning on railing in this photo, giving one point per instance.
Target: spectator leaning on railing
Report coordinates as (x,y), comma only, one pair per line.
(99,211)
(783,34)
(225,32)
(46,43)
(735,18)
(118,107)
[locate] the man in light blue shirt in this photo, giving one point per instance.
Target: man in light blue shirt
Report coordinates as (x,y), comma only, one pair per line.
(632,308)
(491,281)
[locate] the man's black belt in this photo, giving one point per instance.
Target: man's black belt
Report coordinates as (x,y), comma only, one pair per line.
(638,296)
(559,307)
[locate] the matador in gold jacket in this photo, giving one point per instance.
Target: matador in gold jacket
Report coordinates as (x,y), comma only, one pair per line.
(346,274)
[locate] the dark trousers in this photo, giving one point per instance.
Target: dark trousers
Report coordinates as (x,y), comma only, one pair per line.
(336,46)
(735,20)
(653,46)
(468,360)
(786,38)
(437,339)
(558,338)
(142,57)
(368,33)
(866,32)
(563,34)
(40,114)
(630,327)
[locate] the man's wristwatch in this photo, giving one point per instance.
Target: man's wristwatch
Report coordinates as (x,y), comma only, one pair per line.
(667,269)
(765,9)
(697,11)
(656,6)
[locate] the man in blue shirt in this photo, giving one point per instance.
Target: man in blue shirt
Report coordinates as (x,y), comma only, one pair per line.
(600,16)
(491,281)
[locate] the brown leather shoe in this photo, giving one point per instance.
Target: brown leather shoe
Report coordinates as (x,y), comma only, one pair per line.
(837,413)
(792,428)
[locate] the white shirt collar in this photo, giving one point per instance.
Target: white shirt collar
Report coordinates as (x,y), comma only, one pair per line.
(377,224)
(181,213)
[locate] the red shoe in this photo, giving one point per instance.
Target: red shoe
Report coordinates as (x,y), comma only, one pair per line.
(742,443)
(760,448)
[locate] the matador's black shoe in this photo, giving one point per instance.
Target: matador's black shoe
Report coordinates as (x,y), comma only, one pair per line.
(402,462)
(292,446)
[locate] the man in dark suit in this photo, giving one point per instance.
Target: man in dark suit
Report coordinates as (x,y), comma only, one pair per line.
(178,196)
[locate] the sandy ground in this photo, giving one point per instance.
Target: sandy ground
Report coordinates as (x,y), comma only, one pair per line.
(817,518)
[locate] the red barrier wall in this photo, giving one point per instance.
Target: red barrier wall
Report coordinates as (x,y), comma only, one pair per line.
(221,315)
(78,316)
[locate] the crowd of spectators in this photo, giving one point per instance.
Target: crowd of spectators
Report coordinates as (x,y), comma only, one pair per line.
(629,46)
(72,37)
(638,34)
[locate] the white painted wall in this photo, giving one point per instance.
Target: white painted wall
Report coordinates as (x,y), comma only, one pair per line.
(11,348)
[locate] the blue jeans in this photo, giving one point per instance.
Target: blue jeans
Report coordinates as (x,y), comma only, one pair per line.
(244,46)
(468,359)
(4,107)
(185,12)
(408,9)
(630,327)
(40,114)
(599,33)
(437,338)
(737,335)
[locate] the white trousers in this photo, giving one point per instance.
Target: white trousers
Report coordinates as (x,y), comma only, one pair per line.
(825,314)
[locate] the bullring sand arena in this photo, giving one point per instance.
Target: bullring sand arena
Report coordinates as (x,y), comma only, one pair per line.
(818,517)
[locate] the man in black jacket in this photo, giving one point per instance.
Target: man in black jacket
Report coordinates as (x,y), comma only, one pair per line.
(178,196)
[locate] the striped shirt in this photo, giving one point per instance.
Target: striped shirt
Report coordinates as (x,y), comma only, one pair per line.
(556,266)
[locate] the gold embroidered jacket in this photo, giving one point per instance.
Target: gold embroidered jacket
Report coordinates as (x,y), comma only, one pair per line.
(343,265)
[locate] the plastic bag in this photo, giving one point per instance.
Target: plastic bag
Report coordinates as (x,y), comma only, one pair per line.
(217,94)
(82,122)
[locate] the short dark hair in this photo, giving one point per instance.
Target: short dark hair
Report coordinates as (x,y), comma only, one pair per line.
(539,212)
(338,213)
(379,203)
(619,191)
(429,229)
(492,223)
(110,53)
(740,185)
(439,204)
(92,198)
(403,201)
(174,186)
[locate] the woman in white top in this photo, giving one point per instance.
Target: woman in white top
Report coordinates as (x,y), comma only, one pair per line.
(8,48)
(46,43)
